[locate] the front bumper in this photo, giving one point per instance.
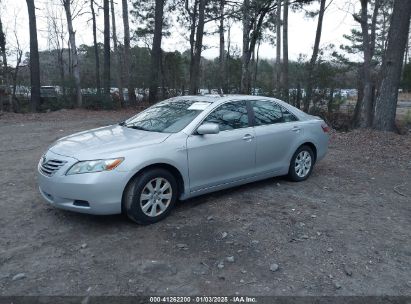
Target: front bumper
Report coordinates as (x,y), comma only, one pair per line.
(93,193)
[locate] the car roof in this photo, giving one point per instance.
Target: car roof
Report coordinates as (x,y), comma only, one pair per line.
(229,97)
(218,99)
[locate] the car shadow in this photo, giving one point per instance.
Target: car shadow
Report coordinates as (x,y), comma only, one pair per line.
(221,194)
(181,207)
(95,220)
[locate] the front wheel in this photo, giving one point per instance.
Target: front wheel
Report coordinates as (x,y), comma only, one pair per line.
(150,196)
(301,164)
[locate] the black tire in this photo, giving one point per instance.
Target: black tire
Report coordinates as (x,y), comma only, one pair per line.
(292,173)
(131,202)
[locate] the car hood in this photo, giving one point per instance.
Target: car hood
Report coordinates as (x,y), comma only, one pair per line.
(103,142)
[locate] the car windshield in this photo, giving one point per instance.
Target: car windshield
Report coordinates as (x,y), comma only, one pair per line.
(167,117)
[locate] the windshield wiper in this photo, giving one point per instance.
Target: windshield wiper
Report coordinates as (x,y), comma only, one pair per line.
(131,126)
(136,127)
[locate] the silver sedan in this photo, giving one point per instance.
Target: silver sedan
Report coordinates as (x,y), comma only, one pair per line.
(177,149)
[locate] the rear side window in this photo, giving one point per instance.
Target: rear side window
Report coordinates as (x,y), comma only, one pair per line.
(230,116)
(287,116)
(268,113)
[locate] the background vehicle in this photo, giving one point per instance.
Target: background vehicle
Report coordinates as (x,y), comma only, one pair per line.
(48,92)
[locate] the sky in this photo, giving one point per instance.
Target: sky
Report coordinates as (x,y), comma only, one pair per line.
(337,22)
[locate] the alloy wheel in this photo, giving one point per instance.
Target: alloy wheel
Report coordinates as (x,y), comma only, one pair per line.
(156,197)
(303,163)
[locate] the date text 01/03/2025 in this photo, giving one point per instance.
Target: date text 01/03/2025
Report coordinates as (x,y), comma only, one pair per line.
(203,299)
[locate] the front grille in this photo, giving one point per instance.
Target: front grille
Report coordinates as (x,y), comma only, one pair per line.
(51,166)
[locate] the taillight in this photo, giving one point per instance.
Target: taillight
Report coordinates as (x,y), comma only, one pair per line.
(325,128)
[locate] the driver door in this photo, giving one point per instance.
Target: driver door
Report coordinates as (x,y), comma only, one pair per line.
(227,156)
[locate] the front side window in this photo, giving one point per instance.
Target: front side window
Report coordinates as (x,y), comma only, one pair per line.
(230,116)
(268,113)
(169,116)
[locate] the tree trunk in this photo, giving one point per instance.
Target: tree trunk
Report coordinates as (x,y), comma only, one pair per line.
(245,62)
(106,72)
(365,108)
(164,94)
(96,52)
(360,90)
(74,54)
(60,60)
(70,66)
(257,58)
(195,77)
(330,103)
(117,55)
(407,47)
(15,104)
(277,78)
(34,58)
(386,103)
(4,59)
(284,72)
(314,56)
(127,63)
(227,68)
(193,20)
(3,51)
(251,34)
(156,50)
(298,97)
(222,47)
(365,103)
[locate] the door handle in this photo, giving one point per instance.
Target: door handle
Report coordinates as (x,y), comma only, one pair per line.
(248,137)
(296,129)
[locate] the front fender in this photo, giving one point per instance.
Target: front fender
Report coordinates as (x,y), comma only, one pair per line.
(172,152)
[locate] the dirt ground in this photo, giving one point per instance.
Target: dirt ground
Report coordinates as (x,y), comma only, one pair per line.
(345,231)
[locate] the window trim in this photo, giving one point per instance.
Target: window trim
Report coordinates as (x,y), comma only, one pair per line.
(250,112)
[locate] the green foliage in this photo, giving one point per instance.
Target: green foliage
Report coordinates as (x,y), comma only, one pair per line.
(140,66)
(234,73)
(335,103)
(406,78)
(174,76)
(187,7)
(354,44)
(55,103)
(407,118)
(174,65)
(96,102)
(264,80)
(142,14)
(2,39)
(88,64)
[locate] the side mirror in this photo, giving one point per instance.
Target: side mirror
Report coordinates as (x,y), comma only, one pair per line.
(208,128)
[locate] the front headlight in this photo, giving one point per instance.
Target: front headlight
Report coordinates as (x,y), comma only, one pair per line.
(90,166)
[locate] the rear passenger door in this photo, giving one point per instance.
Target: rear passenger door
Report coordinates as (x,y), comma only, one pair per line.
(277,131)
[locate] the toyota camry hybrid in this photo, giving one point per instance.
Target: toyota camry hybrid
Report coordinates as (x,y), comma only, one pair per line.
(177,149)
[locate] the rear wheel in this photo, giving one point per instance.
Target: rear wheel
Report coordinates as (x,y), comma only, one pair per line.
(150,196)
(301,164)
